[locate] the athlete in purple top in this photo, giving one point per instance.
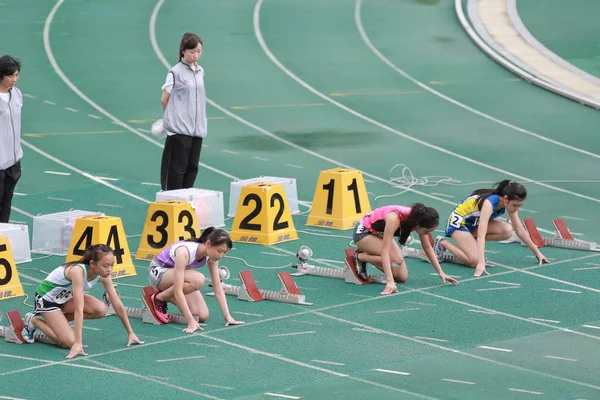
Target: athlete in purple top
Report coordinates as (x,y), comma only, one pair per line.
(175,275)
(374,238)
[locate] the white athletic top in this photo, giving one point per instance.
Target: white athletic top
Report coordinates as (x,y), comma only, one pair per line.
(58,289)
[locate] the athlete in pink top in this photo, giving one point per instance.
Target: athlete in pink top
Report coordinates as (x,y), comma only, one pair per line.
(374,237)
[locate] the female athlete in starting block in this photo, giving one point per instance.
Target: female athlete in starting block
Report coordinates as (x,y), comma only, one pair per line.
(374,237)
(60,298)
(174,274)
(473,222)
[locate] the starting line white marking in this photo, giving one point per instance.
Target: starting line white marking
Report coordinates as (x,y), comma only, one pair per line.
(292,334)
(591,326)
(71,109)
(307,322)
(91,328)
(217,386)
(106,179)
(143,130)
(58,199)
(11,398)
(451,276)
(19,194)
(399,310)
(498,288)
(204,344)
(505,283)
(261,158)
(180,358)
(50,102)
(430,338)
(587,268)
(94,116)
(30,96)
(392,372)
(285,396)
(524,391)
(358,295)
(457,381)
(294,166)
(370,330)
(150,184)
(230,151)
(566,291)
(552,321)
(561,358)
(482,312)
(247,313)
(109,205)
(57,173)
(495,348)
(421,304)
(328,362)
(575,218)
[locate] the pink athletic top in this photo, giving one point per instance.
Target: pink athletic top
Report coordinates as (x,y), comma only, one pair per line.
(374,221)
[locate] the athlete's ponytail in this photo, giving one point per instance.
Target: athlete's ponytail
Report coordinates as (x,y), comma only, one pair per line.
(93,253)
(425,217)
(513,190)
(215,236)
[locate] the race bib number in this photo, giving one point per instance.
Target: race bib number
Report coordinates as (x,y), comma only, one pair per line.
(456,221)
(360,229)
(155,270)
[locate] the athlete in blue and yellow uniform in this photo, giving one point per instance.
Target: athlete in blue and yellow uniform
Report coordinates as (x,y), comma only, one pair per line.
(474,221)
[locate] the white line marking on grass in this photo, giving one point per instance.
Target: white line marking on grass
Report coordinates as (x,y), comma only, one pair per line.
(457,381)
(495,349)
(388,371)
(565,290)
(561,358)
(524,391)
(292,334)
(180,358)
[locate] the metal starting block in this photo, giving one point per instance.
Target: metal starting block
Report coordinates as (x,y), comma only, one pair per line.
(12,332)
(563,239)
(145,313)
(348,273)
(249,291)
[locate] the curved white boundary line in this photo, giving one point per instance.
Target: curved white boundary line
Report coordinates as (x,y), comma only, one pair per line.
(302,83)
(65,79)
(371,46)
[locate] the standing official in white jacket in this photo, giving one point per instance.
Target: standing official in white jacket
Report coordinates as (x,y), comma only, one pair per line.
(11,102)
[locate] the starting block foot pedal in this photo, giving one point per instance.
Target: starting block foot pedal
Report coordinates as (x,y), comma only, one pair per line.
(249,291)
(15,328)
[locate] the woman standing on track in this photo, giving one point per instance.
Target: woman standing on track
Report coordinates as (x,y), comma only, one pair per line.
(11,102)
(174,274)
(184,104)
(60,298)
(374,237)
(473,222)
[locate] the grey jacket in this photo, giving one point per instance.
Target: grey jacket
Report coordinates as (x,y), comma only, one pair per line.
(10,129)
(185,113)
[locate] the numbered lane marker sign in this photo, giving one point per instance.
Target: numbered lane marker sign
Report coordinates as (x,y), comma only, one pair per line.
(10,285)
(263,215)
(107,230)
(167,222)
(340,199)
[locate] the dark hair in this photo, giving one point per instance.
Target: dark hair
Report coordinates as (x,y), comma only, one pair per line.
(8,66)
(93,253)
(188,41)
(216,237)
(514,191)
(425,217)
